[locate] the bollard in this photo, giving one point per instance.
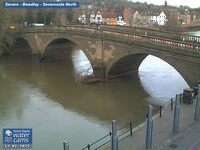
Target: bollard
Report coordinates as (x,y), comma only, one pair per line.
(197,107)
(114,136)
(88,146)
(176,114)
(181,97)
(110,133)
(131,128)
(171,104)
(147,115)
(160,111)
(66,145)
(149,131)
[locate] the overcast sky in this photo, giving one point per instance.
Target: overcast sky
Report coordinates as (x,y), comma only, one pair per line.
(190,3)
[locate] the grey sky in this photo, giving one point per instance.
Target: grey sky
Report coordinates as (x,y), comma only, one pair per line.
(190,3)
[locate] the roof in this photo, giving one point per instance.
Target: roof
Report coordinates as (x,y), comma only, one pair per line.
(150,13)
(109,15)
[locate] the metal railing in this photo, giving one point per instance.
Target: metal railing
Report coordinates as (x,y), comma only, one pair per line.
(128,129)
(169,104)
(142,30)
(123,132)
(128,29)
(155,32)
(136,39)
(145,31)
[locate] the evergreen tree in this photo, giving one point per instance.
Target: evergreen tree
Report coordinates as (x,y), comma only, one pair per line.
(29,17)
(172,24)
(69,15)
(40,17)
(50,16)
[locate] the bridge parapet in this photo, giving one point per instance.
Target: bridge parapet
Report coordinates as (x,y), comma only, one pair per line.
(153,32)
(135,38)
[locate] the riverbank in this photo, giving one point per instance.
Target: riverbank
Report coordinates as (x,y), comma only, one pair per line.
(191,27)
(181,29)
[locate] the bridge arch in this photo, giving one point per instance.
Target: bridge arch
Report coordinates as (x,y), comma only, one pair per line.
(131,62)
(21,45)
(68,39)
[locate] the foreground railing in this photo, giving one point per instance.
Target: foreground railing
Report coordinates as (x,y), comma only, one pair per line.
(129,129)
(123,132)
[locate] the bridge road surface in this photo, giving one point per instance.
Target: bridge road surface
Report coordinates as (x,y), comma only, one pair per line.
(163,139)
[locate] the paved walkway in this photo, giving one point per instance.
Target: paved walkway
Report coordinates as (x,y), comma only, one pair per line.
(188,137)
(189,140)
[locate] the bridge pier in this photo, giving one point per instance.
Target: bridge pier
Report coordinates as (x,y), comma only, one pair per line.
(36,58)
(99,73)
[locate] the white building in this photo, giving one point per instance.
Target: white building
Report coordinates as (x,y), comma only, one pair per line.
(82,19)
(120,21)
(98,18)
(158,18)
(92,18)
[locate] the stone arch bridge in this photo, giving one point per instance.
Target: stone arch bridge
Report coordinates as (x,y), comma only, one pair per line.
(115,51)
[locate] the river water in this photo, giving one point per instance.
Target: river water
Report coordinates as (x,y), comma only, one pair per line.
(46,98)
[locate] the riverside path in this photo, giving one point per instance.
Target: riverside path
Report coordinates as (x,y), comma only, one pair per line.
(188,137)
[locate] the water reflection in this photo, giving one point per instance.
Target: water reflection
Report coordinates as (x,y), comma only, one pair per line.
(81,63)
(160,80)
(196,33)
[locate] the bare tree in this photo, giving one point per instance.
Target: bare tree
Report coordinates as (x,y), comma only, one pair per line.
(172,24)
